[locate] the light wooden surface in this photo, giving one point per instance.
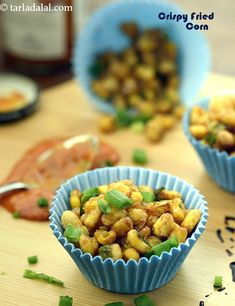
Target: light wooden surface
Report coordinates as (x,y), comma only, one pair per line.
(64,110)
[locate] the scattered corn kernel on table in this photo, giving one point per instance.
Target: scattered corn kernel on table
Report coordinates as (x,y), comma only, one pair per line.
(64,110)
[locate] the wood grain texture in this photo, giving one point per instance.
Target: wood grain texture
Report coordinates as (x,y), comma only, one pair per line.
(64,110)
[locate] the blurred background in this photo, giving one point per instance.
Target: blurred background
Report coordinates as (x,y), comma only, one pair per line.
(40,44)
(221,31)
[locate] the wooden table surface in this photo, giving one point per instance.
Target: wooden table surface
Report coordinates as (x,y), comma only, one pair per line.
(64,110)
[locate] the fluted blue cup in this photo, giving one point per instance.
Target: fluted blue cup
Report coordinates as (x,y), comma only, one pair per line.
(130,276)
(102,33)
(219,165)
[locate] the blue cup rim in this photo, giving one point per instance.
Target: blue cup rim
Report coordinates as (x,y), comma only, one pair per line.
(204,104)
(154,258)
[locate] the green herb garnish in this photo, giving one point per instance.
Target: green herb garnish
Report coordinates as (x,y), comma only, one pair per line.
(118,199)
(50,279)
(115,304)
(16,215)
(72,233)
(143,300)
(143,118)
(89,193)
(2,273)
(137,127)
(81,209)
(157,193)
(66,301)
(97,69)
(163,247)
(104,206)
(218,282)
(42,202)
(148,196)
(139,157)
(33,259)
(123,117)
(107,163)
(210,139)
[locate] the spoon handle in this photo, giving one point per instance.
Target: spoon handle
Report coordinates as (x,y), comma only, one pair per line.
(6,188)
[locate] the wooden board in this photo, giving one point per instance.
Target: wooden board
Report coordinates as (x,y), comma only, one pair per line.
(64,110)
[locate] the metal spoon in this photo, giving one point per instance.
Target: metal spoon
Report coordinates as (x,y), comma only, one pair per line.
(4,189)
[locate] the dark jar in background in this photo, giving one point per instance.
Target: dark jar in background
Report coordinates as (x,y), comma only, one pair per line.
(38,42)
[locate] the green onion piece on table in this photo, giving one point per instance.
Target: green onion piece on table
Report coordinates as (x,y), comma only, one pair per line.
(118,199)
(115,304)
(72,233)
(148,196)
(16,215)
(144,300)
(33,259)
(89,193)
(104,206)
(42,202)
(50,279)
(107,163)
(123,117)
(218,281)
(143,118)
(165,246)
(140,157)
(137,127)
(66,301)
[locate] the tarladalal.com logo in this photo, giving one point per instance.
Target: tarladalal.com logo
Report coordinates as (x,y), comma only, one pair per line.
(3,7)
(41,7)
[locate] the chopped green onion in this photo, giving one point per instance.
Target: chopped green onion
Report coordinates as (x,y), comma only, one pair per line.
(33,259)
(143,300)
(72,233)
(16,215)
(2,273)
(104,206)
(210,139)
(140,157)
(137,127)
(107,163)
(123,117)
(81,209)
(157,192)
(148,196)
(118,199)
(144,118)
(163,247)
(97,68)
(89,193)
(42,202)
(66,301)
(50,279)
(218,281)
(115,304)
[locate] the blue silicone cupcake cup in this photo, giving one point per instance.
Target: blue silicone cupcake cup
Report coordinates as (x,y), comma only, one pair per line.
(219,165)
(102,33)
(131,276)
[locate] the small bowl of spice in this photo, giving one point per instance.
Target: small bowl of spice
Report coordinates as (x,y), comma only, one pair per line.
(138,69)
(19,97)
(210,128)
(128,229)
